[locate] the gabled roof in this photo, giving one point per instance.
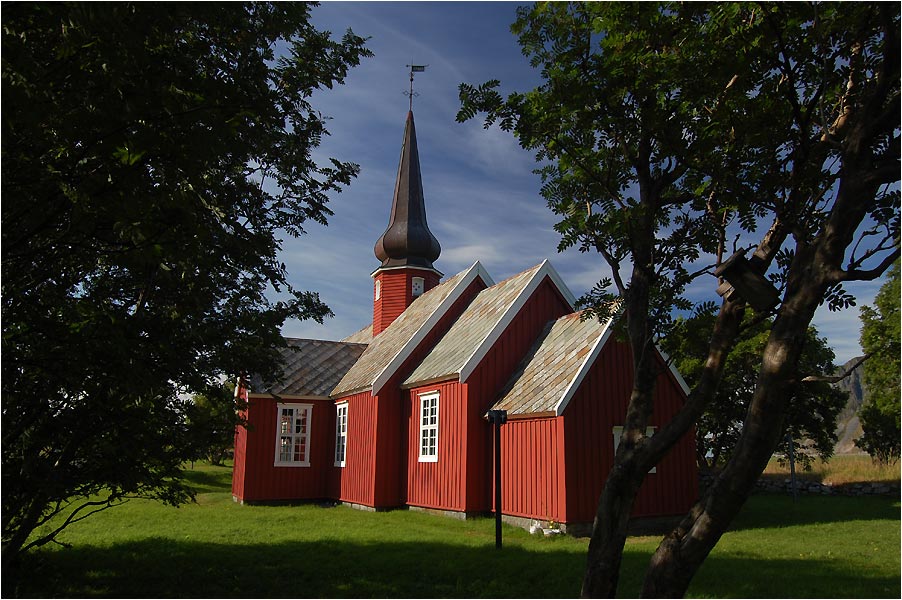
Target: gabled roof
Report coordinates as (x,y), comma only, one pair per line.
(393,346)
(310,368)
(550,373)
(474,333)
(364,336)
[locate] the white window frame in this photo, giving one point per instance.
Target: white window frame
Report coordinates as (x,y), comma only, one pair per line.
(429,421)
(378,289)
(413,286)
(618,433)
(341,433)
(297,410)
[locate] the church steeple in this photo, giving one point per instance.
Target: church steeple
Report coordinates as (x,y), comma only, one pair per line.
(407,248)
(407,240)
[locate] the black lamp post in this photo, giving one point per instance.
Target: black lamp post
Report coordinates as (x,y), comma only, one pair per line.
(499,418)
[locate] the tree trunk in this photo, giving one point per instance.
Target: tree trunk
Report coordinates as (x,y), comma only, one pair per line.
(684,549)
(619,493)
(609,534)
(11,554)
(631,459)
(815,267)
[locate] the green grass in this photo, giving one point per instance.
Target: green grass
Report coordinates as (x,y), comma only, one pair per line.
(819,547)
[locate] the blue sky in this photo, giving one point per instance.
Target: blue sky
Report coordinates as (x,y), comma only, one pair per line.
(482,200)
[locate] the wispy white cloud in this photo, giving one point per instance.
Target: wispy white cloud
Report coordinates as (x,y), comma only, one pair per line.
(482,199)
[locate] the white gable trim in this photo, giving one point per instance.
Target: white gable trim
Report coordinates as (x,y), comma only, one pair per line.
(584,369)
(676,374)
(477,270)
(525,294)
(590,360)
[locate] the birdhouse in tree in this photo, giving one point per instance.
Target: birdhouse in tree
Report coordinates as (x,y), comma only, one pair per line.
(743,281)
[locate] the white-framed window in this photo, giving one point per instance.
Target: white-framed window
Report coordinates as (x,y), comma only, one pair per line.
(417,285)
(341,433)
(293,435)
(378,289)
(429,427)
(618,432)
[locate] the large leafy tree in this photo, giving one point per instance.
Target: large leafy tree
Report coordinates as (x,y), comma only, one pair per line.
(154,155)
(669,131)
(880,340)
(811,412)
(210,419)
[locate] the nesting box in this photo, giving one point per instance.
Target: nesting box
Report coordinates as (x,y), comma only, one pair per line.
(743,281)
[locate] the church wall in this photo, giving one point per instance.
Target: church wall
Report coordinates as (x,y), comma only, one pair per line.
(257,478)
(355,481)
(532,469)
(439,484)
(598,406)
(483,385)
(394,428)
(240,453)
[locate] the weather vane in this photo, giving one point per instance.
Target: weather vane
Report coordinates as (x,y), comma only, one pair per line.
(411,94)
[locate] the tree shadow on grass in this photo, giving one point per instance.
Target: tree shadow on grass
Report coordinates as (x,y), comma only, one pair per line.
(206,481)
(164,568)
(777,510)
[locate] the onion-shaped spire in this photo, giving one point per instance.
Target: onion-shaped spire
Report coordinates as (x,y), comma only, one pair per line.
(407,240)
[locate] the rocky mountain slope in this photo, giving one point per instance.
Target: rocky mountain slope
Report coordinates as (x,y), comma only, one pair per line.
(848,427)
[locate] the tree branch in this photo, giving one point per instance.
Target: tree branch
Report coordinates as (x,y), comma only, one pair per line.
(837,378)
(102,504)
(871,274)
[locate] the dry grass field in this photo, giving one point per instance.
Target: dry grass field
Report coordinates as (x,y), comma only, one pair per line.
(841,469)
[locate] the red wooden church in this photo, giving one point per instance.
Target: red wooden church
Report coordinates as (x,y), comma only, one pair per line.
(394,416)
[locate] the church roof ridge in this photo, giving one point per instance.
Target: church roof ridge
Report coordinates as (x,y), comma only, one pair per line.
(394,345)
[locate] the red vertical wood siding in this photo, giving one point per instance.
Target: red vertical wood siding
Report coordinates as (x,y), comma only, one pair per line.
(598,406)
(483,385)
(259,479)
(439,484)
(396,294)
(355,482)
(375,464)
(240,457)
(532,469)
(387,492)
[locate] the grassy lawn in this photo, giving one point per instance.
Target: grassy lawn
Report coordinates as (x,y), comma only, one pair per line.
(819,547)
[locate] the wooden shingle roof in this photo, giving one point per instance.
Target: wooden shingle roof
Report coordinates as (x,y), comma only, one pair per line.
(550,373)
(393,346)
(310,368)
(479,326)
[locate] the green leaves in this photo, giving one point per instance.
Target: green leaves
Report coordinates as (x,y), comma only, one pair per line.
(126,156)
(139,241)
(880,335)
(812,408)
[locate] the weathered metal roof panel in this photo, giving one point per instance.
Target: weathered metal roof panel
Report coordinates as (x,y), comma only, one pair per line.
(474,326)
(310,368)
(388,349)
(363,336)
(551,371)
